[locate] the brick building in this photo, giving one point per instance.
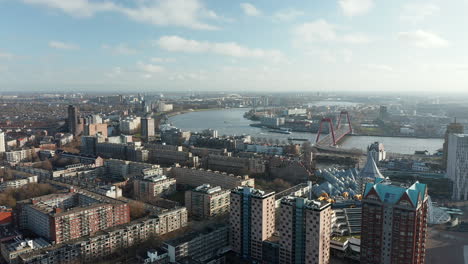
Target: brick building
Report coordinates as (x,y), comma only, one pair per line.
(206,201)
(394,223)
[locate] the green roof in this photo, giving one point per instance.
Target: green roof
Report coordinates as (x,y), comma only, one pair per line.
(391,193)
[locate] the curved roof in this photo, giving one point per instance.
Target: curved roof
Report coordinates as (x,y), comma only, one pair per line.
(370,170)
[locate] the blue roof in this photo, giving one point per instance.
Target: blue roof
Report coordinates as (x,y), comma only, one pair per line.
(392,193)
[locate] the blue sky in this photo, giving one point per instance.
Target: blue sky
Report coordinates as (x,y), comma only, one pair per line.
(262,45)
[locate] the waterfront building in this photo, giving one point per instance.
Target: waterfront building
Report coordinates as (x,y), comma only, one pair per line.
(206,201)
(457,165)
(304,231)
(452,128)
(377,151)
(252,221)
(394,223)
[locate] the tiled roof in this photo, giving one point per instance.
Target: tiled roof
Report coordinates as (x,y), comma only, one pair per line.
(391,193)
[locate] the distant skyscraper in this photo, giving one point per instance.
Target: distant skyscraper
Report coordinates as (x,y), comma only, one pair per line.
(457,165)
(304,230)
(2,142)
(394,223)
(75,123)
(452,128)
(252,221)
(147,128)
(383,113)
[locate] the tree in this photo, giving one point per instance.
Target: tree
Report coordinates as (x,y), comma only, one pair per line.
(137,209)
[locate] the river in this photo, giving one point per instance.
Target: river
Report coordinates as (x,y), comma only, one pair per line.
(232,122)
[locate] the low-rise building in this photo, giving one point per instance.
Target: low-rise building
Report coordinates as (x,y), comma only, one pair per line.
(199,245)
(12,249)
(206,201)
(193,177)
(151,187)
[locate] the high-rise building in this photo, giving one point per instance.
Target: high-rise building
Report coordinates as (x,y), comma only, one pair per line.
(147,128)
(252,219)
(2,142)
(75,123)
(394,223)
(457,165)
(452,128)
(304,230)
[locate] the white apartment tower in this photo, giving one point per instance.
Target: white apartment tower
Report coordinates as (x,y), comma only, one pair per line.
(457,165)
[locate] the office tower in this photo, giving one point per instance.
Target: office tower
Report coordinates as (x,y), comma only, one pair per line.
(452,128)
(252,218)
(383,113)
(304,230)
(206,201)
(394,223)
(457,165)
(2,142)
(75,123)
(147,128)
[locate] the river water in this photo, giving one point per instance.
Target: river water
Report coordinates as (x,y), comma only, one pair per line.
(232,122)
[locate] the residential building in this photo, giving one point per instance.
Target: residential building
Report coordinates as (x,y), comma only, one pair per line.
(206,201)
(75,123)
(12,249)
(130,125)
(457,165)
(95,129)
(394,223)
(66,216)
(20,155)
(17,182)
(452,128)
(252,221)
(2,143)
(304,230)
(193,177)
(152,187)
(199,245)
(147,128)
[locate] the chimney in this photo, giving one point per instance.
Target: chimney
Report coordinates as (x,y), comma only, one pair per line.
(57,210)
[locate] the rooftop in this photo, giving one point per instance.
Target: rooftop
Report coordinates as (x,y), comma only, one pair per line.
(389,193)
(305,203)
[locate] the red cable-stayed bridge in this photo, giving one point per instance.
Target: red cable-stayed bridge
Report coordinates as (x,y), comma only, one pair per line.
(335,134)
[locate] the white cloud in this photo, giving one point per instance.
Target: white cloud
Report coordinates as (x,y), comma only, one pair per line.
(422,39)
(319,30)
(322,31)
(183,13)
(6,55)
(250,9)
(150,68)
(356,7)
(331,56)
(288,14)
(176,43)
(162,60)
(121,49)
(63,45)
(416,12)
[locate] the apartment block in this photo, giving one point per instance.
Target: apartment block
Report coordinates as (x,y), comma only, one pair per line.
(12,249)
(199,245)
(194,177)
(66,216)
(252,219)
(457,165)
(304,229)
(236,165)
(394,223)
(20,155)
(122,169)
(206,201)
(17,182)
(151,187)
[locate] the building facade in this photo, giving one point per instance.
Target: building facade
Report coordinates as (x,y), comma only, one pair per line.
(152,187)
(394,223)
(147,128)
(252,219)
(304,230)
(457,165)
(193,177)
(206,201)
(66,216)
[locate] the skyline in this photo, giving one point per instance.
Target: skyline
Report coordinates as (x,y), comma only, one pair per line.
(269,46)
